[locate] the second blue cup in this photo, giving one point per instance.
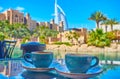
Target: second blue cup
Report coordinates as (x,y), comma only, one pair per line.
(77,63)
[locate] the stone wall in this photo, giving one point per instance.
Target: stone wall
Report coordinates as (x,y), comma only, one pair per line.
(84,48)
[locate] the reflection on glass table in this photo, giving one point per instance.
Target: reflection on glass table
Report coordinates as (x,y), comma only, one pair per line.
(12,69)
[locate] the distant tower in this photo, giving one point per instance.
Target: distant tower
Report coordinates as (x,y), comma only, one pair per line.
(56,13)
(60,16)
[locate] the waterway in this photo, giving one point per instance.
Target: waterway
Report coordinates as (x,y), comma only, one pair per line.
(110,62)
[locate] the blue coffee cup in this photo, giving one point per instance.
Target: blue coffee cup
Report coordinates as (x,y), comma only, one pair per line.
(39,59)
(80,63)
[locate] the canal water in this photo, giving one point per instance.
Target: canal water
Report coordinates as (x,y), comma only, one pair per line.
(110,62)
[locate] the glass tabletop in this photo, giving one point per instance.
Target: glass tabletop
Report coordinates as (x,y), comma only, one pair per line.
(13,69)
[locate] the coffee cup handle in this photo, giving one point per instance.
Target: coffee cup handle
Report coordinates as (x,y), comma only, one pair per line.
(28,59)
(96,63)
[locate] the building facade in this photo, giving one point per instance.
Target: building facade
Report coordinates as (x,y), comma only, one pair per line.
(108,27)
(14,16)
(82,33)
(2,16)
(60,16)
(53,26)
(30,23)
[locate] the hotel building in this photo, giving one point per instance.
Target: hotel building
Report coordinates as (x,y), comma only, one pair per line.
(52,25)
(115,27)
(31,23)
(108,27)
(14,16)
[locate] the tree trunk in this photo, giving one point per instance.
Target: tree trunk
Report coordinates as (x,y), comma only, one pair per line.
(105,28)
(111,27)
(97,25)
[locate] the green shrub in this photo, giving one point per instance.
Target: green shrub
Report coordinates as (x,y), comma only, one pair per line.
(98,38)
(2,36)
(58,43)
(63,43)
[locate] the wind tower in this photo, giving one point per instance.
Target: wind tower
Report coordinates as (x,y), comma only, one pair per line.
(60,16)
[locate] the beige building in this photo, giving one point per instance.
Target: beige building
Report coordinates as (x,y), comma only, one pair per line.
(2,16)
(61,27)
(30,23)
(82,39)
(14,16)
(108,27)
(53,26)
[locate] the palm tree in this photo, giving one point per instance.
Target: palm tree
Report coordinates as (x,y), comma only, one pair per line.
(98,38)
(18,30)
(112,22)
(97,17)
(43,33)
(4,29)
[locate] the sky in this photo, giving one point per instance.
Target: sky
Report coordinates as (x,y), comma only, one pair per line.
(77,11)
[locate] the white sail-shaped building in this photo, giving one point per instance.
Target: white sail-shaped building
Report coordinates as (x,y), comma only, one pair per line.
(60,16)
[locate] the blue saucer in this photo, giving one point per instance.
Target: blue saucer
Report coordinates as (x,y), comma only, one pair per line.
(32,68)
(63,70)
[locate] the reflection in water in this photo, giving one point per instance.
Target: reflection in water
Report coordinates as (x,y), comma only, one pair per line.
(111,72)
(107,56)
(112,62)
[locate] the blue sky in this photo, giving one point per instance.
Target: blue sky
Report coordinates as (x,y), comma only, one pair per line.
(77,11)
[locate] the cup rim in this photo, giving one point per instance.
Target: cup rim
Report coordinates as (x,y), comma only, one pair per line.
(41,52)
(79,55)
